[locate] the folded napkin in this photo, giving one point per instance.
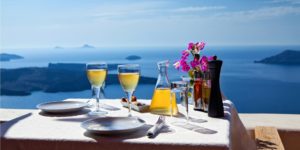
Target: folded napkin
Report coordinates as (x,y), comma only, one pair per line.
(152,132)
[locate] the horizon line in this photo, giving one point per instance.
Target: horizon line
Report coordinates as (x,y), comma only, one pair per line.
(146,46)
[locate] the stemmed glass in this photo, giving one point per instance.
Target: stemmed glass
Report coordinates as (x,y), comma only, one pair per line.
(190,89)
(96,73)
(129,75)
(181,87)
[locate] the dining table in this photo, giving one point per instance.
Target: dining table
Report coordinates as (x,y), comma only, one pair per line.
(37,129)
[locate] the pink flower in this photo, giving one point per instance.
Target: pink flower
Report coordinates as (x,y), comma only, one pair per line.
(185,67)
(196,50)
(195,63)
(177,64)
(204,63)
(191,46)
(204,59)
(182,64)
(185,54)
(204,67)
(210,58)
(201,45)
(198,47)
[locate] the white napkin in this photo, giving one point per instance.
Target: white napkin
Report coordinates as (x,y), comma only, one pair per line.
(152,132)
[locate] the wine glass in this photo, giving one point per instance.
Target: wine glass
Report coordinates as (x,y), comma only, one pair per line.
(181,87)
(129,75)
(96,73)
(190,84)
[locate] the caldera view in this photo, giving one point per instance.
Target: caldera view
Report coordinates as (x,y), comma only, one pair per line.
(150,74)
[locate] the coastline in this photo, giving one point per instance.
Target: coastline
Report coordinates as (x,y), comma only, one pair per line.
(55,78)
(251,86)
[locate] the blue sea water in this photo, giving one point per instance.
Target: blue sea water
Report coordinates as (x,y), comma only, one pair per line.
(254,88)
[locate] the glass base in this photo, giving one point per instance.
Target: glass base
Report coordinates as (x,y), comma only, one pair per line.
(181,123)
(97,113)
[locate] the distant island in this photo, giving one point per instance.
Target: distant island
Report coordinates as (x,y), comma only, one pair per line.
(87,46)
(57,77)
(58,47)
(287,57)
(8,57)
(133,57)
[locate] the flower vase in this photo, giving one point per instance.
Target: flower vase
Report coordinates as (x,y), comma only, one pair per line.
(206,88)
(197,92)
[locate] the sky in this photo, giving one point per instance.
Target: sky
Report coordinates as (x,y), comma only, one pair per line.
(117,23)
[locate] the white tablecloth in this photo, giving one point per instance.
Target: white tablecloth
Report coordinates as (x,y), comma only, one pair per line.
(37,130)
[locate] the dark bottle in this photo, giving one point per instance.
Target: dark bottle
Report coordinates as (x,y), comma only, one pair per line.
(215,107)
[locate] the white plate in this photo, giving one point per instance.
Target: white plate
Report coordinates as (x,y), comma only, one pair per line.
(113,125)
(61,106)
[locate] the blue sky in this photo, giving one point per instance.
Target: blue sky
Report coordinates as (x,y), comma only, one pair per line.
(69,23)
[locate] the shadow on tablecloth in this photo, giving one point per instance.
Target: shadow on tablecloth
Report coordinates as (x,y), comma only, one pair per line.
(194,128)
(5,126)
(81,119)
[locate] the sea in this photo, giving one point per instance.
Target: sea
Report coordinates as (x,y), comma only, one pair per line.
(252,87)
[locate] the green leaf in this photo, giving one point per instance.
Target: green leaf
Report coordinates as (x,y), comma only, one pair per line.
(192,83)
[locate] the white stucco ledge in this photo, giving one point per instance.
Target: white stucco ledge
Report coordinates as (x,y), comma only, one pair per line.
(280,121)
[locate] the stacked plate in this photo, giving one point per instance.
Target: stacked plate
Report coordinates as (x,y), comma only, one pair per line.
(62,106)
(113,125)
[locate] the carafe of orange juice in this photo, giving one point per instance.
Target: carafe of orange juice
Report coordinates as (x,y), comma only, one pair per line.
(162,98)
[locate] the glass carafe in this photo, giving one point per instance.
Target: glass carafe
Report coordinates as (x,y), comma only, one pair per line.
(162,97)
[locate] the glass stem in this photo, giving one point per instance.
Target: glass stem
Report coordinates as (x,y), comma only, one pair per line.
(187,117)
(129,96)
(96,92)
(186,99)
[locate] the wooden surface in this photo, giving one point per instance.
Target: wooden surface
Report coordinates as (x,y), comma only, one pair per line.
(268,138)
